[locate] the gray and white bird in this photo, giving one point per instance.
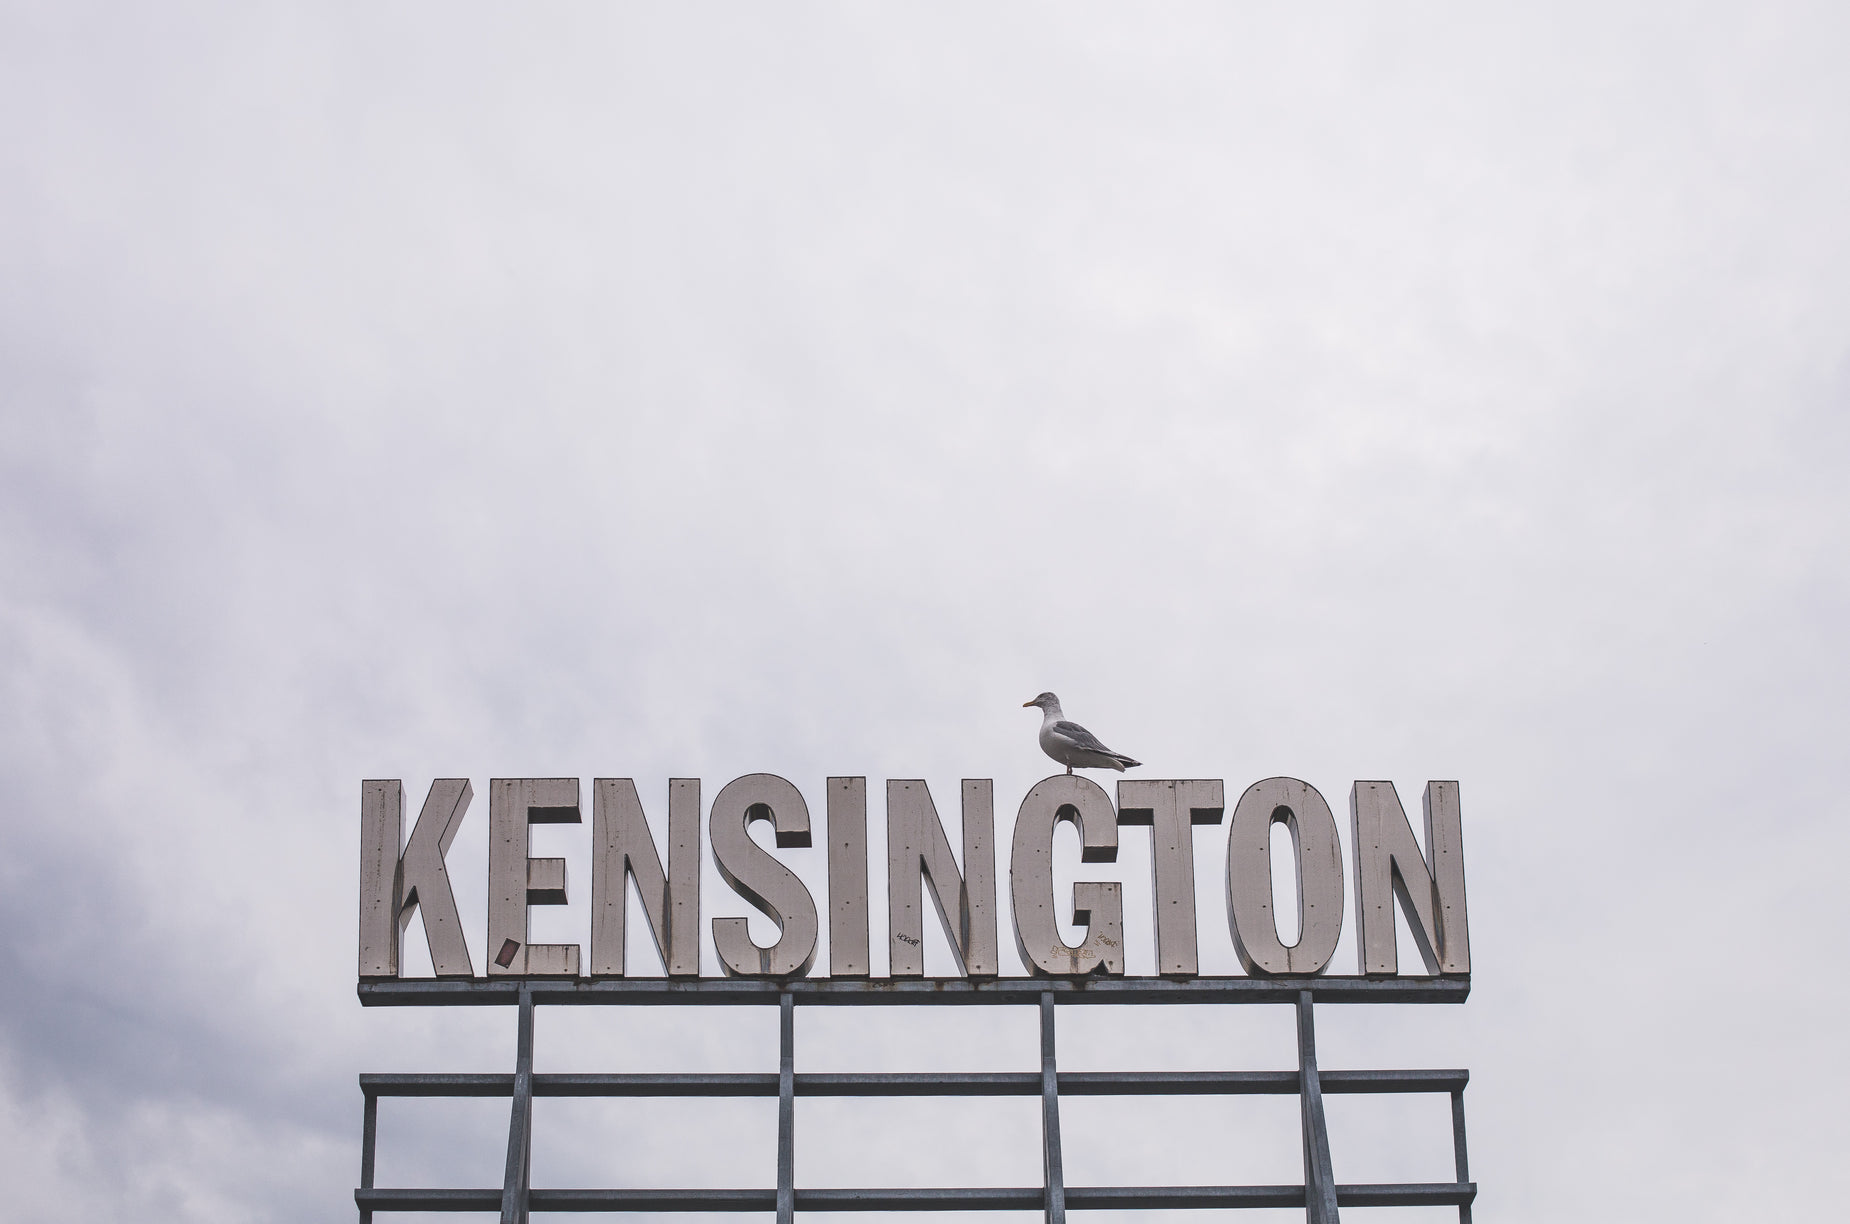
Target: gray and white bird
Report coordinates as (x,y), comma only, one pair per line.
(1071,744)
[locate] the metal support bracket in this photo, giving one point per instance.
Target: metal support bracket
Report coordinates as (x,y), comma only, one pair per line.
(1053,1172)
(369,1147)
(515,1183)
(1458,1150)
(1319,1181)
(786,1110)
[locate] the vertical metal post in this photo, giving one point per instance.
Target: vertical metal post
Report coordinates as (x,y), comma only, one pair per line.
(1458,1149)
(369,1145)
(1319,1181)
(1053,1173)
(786,1109)
(514,1183)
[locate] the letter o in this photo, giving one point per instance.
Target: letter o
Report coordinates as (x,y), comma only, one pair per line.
(1250,904)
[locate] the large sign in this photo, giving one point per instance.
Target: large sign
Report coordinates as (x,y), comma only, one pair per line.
(1391,870)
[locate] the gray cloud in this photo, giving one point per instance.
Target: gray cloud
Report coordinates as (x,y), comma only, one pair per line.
(404,393)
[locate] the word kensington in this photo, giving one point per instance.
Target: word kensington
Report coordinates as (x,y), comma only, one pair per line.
(400,877)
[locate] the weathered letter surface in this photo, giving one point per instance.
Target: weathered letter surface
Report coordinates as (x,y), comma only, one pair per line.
(392,886)
(516,881)
(1250,908)
(1099,907)
(621,848)
(758,877)
(1172,809)
(1389,865)
(916,850)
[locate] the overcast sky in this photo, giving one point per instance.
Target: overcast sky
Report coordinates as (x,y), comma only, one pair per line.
(483,390)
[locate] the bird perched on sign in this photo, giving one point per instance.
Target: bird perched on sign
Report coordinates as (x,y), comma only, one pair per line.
(1071,744)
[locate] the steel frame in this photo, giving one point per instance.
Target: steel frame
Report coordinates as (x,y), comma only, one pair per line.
(1319,1195)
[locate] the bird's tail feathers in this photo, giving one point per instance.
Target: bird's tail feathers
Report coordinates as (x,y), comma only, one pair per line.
(1120,762)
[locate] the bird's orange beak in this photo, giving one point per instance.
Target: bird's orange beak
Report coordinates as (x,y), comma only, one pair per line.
(1026,704)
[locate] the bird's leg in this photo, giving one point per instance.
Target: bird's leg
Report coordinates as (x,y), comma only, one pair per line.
(1069,770)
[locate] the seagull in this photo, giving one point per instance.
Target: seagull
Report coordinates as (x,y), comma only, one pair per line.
(1071,744)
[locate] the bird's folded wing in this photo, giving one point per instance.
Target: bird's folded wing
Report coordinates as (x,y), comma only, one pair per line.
(1078,736)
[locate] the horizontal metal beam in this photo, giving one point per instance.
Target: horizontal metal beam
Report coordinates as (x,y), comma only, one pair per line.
(417,1084)
(916,1084)
(1026,1198)
(910,1084)
(1394,1081)
(1251,1083)
(1413,1194)
(487,1199)
(436,1084)
(482,1198)
(1130,1198)
(849,992)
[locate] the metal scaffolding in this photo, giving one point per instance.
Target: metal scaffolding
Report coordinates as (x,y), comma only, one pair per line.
(1319,1195)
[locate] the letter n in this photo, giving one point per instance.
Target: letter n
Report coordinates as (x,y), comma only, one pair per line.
(1430,887)
(623,849)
